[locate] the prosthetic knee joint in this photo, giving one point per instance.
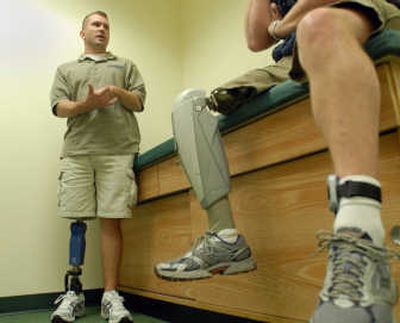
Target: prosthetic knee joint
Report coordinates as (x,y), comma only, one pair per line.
(349,189)
(200,147)
(77,246)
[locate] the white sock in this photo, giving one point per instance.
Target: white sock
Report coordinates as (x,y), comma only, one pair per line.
(361,212)
(228,235)
(109,293)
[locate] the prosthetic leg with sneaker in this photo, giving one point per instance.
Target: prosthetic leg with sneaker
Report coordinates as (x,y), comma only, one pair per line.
(358,287)
(71,304)
(221,249)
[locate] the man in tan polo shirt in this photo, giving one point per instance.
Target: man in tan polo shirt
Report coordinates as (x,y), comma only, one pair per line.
(99,94)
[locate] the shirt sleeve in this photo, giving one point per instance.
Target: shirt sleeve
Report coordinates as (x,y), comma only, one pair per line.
(59,91)
(134,83)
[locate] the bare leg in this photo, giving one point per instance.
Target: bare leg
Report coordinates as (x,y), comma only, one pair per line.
(111,246)
(344,87)
(345,97)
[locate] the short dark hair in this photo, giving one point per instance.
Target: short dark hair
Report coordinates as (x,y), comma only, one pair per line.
(97,12)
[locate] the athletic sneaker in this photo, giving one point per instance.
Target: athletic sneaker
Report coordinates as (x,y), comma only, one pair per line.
(209,255)
(71,306)
(358,287)
(113,309)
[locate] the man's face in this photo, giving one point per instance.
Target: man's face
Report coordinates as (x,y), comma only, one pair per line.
(96,33)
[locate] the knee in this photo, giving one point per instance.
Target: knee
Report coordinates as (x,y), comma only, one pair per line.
(319,29)
(190,97)
(188,105)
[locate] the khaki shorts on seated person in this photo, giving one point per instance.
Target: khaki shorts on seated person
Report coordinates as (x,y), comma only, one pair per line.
(380,13)
(97,186)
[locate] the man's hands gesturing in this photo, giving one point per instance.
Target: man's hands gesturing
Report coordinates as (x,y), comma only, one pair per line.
(100,98)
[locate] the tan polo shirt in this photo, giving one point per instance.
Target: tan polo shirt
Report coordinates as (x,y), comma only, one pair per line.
(110,131)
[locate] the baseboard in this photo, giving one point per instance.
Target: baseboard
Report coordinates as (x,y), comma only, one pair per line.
(176,313)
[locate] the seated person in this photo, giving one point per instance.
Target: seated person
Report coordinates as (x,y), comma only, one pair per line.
(328,51)
(213,195)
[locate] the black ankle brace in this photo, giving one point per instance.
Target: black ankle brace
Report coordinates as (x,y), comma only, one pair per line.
(350,189)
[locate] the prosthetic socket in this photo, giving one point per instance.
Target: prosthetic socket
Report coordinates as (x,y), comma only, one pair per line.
(200,147)
(349,189)
(77,246)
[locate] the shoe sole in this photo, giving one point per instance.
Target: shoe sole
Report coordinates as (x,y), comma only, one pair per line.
(59,319)
(229,268)
(123,320)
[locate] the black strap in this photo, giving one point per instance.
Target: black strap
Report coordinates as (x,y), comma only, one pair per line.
(351,189)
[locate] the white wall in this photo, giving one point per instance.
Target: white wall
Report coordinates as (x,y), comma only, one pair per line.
(175,43)
(214,46)
(36,36)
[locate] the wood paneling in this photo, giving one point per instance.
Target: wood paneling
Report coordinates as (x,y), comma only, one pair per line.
(279,210)
(148,183)
(171,176)
(394,83)
(158,231)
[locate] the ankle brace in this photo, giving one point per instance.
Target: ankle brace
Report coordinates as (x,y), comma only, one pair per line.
(350,189)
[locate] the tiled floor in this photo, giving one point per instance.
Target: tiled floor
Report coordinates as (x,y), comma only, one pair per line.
(92,316)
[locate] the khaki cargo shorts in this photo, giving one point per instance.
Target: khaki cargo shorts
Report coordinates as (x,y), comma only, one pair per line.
(97,186)
(382,14)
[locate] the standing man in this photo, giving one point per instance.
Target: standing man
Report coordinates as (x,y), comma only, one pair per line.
(327,46)
(99,93)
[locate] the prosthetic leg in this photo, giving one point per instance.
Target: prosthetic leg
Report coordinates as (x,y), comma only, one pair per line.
(77,247)
(203,158)
(200,147)
(72,303)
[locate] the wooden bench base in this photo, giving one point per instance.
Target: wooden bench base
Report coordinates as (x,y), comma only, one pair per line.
(279,203)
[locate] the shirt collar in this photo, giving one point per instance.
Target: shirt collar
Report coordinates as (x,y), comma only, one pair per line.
(108,56)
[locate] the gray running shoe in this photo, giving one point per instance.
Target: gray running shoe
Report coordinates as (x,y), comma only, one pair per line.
(71,306)
(358,287)
(210,255)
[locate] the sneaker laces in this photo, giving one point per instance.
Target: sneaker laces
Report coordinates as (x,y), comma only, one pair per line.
(67,300)
(349,262)
(203,245)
